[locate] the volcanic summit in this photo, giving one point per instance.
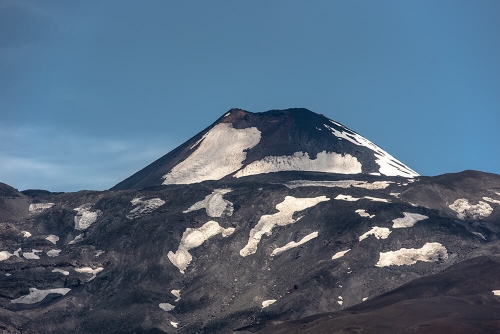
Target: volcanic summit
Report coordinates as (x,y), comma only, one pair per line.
(241,143)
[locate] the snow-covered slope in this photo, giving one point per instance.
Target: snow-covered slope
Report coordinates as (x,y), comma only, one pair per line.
(242,143)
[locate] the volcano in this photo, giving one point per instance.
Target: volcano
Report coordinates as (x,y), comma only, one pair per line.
(241,143)
(282,221)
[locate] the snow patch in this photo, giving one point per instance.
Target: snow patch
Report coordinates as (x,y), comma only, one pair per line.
(195,237)
(78,238)
(328,162)
(84,217)
(4,255)
(99,253)
(376,199)
(340,254)
(408,220)
(466,210)
(53,238)
(363,213)
(26,234)
(220,153)
(340,302)
(349,198)
(496,292)
(144,207)
(8,274)
(430,252)
(266,303)
(283,217)
(64,272)
(491,200)
(176,293)
(32,255)
(364,299)
(36,295)
(339,184)
(166,306)
(377,232)
(293,244)
(88,270)
(389,165)
(214,204)
(174,324)
(53,252)
(36,208)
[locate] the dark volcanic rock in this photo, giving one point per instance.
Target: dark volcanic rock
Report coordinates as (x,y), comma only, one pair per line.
(220,289)
(458,300)
(13,204)
(303,236)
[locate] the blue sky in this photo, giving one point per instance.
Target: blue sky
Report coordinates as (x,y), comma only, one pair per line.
(92,91)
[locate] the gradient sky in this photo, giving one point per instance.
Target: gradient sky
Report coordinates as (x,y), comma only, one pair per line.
(92,91)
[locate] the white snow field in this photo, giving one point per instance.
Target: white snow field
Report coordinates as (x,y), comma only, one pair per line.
(293,244)
(176,293)
(88,270)
(84,217)
(4,255)
(376,199)
(64,272)
(496,292)
(408,220)
(328,162)
(349,198)
(430,252)
(220,153)
(36,295)
(78,238)
(166,306)
(338,255)
(464,209)
(53,238)
(491,200)
(283,217)
(53,252)
(363,213)
(268,302)
(39,207)
(195,237)
(214,204)
(377,232)
(144,207)
(32,255)
(389,165)
(339,184)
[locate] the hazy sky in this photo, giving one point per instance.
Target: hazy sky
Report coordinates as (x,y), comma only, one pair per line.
(92,91)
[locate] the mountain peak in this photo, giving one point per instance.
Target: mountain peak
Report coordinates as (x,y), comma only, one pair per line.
(242,143)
